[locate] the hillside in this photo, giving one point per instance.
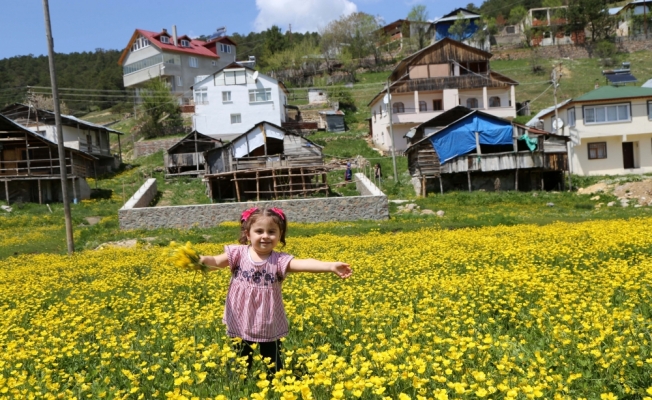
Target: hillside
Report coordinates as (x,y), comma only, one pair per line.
(86,72)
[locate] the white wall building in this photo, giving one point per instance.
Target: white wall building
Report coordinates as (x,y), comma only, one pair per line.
(610,127)
(235,98)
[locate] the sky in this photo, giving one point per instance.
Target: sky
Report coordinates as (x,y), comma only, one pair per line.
(86,25)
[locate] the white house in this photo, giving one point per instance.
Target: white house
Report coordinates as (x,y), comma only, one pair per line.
(435,79)
(610,127)
(235,98)
(176,59)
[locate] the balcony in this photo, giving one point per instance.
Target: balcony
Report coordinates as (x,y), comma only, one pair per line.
(414,117)
(148,68)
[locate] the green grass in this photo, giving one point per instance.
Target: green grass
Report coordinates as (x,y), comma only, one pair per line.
(579,76)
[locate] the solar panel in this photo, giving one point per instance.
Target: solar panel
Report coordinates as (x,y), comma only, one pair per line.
(621,78)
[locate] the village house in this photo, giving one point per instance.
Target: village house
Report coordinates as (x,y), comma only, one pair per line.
(30,169)
(630,18)
(609,127)
(470,149)
(433,80)
(186,157)
(265,162)
(78,134)
(444,24)
(234,98)
(401,29)
(178,60)
(549,27)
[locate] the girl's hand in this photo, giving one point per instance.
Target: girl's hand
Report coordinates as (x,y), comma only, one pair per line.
(343,270)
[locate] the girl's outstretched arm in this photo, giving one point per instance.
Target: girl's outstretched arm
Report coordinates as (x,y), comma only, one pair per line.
(215,262)
(343,270)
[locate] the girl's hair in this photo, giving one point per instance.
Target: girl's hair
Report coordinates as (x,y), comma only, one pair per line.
(253,214)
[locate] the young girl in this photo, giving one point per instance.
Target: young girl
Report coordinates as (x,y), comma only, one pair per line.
(254,308)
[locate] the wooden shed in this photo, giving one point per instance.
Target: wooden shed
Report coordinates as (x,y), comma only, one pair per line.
(265,162)
(468,149)
(30,170)
(186,157)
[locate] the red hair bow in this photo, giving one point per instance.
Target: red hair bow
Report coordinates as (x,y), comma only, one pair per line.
(247,213)
(278,212)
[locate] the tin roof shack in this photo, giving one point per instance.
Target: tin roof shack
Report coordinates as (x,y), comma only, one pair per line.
(186,157)
(78,134)
(332,121)
(265,162)
(29,166)
(469,149)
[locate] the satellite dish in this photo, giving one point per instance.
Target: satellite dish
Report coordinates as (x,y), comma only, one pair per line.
(557,124)
(255,76)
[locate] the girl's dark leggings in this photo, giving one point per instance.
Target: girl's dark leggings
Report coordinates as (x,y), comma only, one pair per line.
(271,350)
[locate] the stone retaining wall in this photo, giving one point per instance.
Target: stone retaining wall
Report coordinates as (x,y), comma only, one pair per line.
(350,208)
(146,148)
(143,196)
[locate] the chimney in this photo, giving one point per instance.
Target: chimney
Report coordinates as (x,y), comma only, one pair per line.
(174,35)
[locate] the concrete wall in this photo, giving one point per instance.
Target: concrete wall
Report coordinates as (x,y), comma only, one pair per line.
(209,215)
(373,206)
(365,186)
(143,196)
(152,146)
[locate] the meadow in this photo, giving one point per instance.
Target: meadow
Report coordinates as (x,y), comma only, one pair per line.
(523,312)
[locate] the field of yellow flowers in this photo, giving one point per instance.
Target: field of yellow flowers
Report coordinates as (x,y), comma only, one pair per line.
(561,311)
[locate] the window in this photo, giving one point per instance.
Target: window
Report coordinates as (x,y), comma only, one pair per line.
(193,62)
(201,96)
(236,118)
(649,110)
(510,30)
(226,97)
(436,105)
(185,43)
(398,108)
(571,116)
(597,150)
(494,101)
(165,39)
(374,115)
(259,95)
(213,63)
(140,43)
(423,106)
(179,83)
(235,77)
(472,103)
(225,48)
(606,114)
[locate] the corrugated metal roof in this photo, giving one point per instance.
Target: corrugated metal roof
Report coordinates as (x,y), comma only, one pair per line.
(545,111)
(615,92)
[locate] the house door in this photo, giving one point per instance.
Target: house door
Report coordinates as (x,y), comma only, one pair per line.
(628,155)
(89,143)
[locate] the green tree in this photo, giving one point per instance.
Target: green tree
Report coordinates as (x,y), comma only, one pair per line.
(160,111)
(459,27)
(472,7)
(355,34)
(419,25)
(593,15)
(517,15)
(274,42)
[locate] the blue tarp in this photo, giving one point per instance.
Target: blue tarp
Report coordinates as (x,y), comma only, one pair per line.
(459,138)
(441,30)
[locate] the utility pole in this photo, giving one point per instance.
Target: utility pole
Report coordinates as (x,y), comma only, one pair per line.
(645,17)
(57,119)
(555,83)
(391,130)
